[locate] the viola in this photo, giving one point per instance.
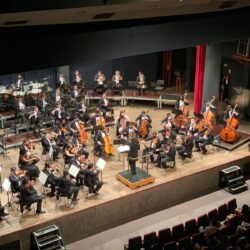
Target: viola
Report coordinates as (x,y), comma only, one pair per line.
(228,134)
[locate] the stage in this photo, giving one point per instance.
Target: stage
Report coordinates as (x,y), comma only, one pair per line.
(117,203)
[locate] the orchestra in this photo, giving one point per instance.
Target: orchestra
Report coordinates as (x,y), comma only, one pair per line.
(68,136)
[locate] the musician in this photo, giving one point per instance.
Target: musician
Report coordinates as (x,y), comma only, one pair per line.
(56,96)
(181,102)
(19,83)
(204,138)
(29,195)
(100,85)
(144,116)
(117,83)
(121,123)
(60,134)
(47,143)
(185,150)
(58,113)
(91,179)
(68,185)
(19,108)
(141,83)
(98,141)
(75,93)
(15,179)
(105,105)
(225,85)
(154,147)
(43,104)
(229,113)
(52,179)
(192,127)
(82,110)
(34,119)
(166,156)
(133,153)
(94,120)
(27,160)
(69,154)
(62,84)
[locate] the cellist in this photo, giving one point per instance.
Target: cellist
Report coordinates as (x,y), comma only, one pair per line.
(144,124)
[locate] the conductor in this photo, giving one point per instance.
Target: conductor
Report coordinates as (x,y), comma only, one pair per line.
(133,153)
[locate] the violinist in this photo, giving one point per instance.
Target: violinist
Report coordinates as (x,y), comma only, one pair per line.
(69,153)
(100,85)
(58,113)
(166,156)
(15,178)
(155,145)
(91,179)
(82,110)
(144,124)
(117,83)
(56,97)
(27,160)
(96,120)
(48,143)
(35,118)
(141,83)
(29,196)
(204,138)
(77,162)
(192,127)
(50,170)
(185,150)
(105,105)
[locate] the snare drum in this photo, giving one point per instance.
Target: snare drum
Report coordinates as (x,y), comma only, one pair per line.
(18,94)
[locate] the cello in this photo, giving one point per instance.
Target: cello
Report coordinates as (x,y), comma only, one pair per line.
(208,117)
(83,136)
(144,126)
(108,145)
(228,133)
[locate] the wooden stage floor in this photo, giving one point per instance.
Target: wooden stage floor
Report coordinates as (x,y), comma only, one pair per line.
(112,189)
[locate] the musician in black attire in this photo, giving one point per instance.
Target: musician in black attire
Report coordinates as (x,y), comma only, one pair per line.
(47,144)
(166,156)
(52,179)
(15,179)
(91,179)
(98,141)
(29,196)
(59,113)
(19,83)
(203,139)
(67,186)
(133,153)
(75,93)
(35,119)
(80,176)
(185,150)
(82,110)
(105,105)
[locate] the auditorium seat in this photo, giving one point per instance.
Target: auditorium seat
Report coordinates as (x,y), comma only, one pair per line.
(178,232)
(232,224)
(202,220)
(135,243)
(198,238)
(212,215)
(149,239)
(164,236)
(231,206)
(190,227)
(222,212)
(170,246)
(185,243)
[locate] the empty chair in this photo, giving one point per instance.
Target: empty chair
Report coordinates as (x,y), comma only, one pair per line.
(164,236)
(190,227)
(198,238)
(178,232)
(149,240)
(231,206)
(135,243)
(185,243)
(213,215)
(222,212)
(202,220)
(170,246)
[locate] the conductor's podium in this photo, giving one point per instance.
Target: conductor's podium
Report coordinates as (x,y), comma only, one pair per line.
(232,180)
(141,178)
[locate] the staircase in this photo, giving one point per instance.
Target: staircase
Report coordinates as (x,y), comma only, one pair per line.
(48,238)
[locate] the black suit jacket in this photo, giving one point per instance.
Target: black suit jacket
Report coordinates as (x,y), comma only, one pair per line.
(133,152)
(91,178)
(27,193)
(46,144)
(188,145)
(15,182)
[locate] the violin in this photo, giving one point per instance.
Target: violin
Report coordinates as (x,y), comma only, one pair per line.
(74,149)
(228,133)
(63,128)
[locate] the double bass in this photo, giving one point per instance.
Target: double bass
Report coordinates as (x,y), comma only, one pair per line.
(228,133)
(182,119)
(208,117)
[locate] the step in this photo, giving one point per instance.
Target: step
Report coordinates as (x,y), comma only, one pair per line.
(52,240)
(46,230)
(47,236)
(236,179)
(55,247)
(235,189)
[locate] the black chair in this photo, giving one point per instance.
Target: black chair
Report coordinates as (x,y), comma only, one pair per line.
(149,240)
(213,215)
(202,220)
(191,227)
(222,212)
(185,244)
(170,246)
(231,206)
(135,243)
(62,192)
(164,236)
(198,238)
(178,232)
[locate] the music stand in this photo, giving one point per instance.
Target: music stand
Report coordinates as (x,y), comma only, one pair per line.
(123,149)
(73,170)
(1,187)
(3,149)
(43,178)
(101,165)
(7,186)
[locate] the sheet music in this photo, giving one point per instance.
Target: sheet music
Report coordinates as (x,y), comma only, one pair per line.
(6,184)
(101,164)
(42,178)
(73,170)
(123,148)
(50,151)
